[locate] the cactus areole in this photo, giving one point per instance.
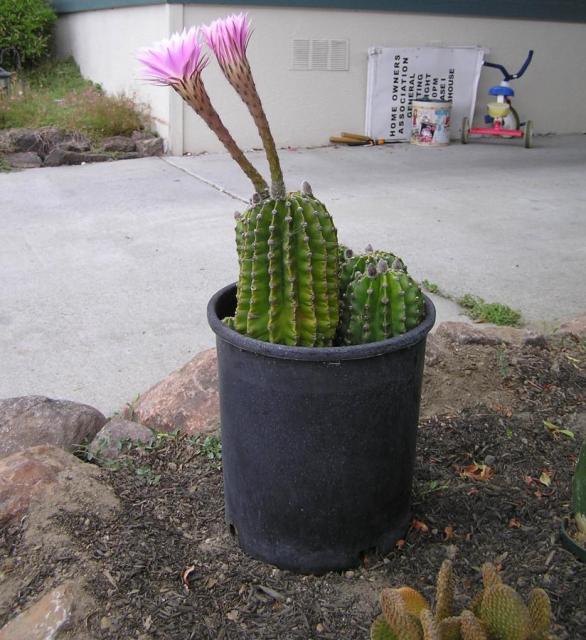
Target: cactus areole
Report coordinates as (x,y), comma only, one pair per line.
(320,350)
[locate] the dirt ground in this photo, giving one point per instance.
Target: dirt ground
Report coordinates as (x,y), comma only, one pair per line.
(163,566)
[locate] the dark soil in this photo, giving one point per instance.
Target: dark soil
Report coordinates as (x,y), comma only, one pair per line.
(171,524)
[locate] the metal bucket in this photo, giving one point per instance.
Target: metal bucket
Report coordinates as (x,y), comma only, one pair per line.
(431,123)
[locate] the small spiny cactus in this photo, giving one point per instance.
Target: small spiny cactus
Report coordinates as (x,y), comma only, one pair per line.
(380,304)
(499,613)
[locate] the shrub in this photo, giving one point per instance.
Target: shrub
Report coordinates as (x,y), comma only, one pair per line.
(25,26)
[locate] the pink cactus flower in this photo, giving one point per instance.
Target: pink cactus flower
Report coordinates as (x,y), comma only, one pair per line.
(174,60)
(228,38)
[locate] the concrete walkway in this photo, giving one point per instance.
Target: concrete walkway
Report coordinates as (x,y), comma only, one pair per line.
(106,269)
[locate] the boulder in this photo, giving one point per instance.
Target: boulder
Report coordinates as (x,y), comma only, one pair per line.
(28,473)
(107,445)
(119,144)
(34,420)
(75,142)
(187,399)
(463,333)
(59,156)
(23,160)
(40,141)
(150,147)
(575,327)
(46,618)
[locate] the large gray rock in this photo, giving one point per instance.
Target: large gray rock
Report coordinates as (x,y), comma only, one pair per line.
(107,445)
(464,333)
(187,399)
(150,147)
(28,421)
(60,156)
(120,144)
(40,141)
(75,142)
(23,160)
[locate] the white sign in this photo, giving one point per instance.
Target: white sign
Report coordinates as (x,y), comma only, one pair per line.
(397,76)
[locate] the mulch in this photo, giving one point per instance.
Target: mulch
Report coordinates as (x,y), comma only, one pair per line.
(165,568)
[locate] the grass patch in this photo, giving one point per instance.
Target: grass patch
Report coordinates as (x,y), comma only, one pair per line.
(55,94)
(493,312)
(432,287)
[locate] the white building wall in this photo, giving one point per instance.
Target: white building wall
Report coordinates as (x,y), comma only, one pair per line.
(104,44)
(306,107)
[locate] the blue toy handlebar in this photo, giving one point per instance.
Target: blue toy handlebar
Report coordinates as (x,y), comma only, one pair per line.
(506,74)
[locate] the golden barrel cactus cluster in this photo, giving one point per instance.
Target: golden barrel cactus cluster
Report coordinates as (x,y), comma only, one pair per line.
(496,613)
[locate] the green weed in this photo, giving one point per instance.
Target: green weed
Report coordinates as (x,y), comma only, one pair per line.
(210,448)
(430,286)
(493,312)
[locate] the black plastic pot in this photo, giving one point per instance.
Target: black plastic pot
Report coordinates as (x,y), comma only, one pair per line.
(318,443)
(569,543)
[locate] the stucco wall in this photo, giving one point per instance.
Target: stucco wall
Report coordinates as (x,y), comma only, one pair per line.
(306,107)
(104,44)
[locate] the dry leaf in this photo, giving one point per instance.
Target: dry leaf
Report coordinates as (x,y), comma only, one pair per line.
(400,543)
(418,525)
(185,576)
(449,532)
(545,477)
(514,523)
(477,472)
(233,615)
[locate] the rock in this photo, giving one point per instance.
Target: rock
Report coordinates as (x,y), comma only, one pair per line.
(107,443)
(47,618)
(434,350)
(33,420)
(186,400)
(575,327)
(27,473)
(23,160)
(40,141)
(119,143)
(150,147)
(130,155)
(75,142)
(59,156)
(462,333)
(141,135)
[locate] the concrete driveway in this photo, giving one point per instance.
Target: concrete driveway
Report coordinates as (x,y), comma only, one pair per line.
(106,269)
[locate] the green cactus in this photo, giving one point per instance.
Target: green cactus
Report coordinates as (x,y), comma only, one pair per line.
(352,263)
(380,304)
(579,484)
(288,282)
(504,613)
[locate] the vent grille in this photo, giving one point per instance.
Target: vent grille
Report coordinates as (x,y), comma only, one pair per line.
(320,55)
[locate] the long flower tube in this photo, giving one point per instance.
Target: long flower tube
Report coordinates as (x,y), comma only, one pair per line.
(228,38)
(178,62)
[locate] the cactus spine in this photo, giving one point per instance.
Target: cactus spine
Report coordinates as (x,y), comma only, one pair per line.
(288,283)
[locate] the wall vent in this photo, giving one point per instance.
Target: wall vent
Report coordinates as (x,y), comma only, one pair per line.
(320,55)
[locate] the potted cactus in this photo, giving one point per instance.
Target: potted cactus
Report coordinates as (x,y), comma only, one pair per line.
(320,352)
(573,530)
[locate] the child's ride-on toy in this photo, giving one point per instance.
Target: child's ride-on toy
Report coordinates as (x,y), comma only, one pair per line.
(501,114)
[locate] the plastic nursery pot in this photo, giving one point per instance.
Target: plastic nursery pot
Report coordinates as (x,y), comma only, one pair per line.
(569,543)
(318,444)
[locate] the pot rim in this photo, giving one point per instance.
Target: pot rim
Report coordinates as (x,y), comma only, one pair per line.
(315,354)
